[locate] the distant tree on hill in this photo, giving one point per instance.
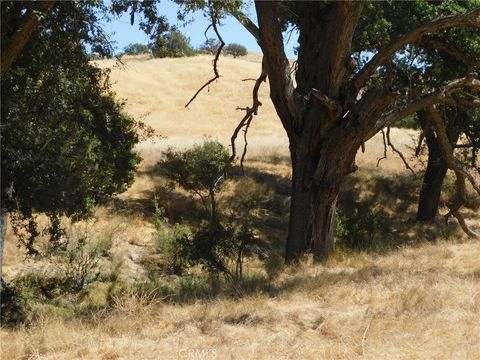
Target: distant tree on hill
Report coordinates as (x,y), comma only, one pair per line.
(172,44)
(136,49)
(235,50)
(210,46)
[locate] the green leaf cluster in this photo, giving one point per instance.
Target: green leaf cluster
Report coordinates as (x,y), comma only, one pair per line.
(67,143)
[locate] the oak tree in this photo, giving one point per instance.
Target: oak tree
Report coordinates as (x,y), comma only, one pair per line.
(341,90)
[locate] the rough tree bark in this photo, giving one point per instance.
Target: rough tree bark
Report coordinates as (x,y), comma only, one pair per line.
(435,172)
(3,235)
(311,118)
(437,167)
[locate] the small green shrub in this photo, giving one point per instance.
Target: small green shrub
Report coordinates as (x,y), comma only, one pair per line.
(78,262)
(235,50)
(221,242)
(212,248)
(12,305)
(171,241)
(360,230)
(199,171)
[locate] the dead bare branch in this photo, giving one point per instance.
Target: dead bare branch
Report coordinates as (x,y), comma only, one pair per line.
(384,148)
(245,143)
(249,113)
(398,152)
(214,22)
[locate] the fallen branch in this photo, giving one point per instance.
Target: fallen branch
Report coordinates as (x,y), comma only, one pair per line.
(364,337)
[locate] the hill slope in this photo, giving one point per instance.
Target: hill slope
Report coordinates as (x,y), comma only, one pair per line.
(416,302)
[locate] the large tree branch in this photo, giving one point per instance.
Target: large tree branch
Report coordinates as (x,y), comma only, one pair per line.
(371,106)
(452,162)
(461,173)
(278,66)
(28,24)
(248,24)
(470,19)
(409,107)
(247,119)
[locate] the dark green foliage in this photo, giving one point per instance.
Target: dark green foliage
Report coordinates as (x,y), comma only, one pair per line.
(12,307)
(235,50)
(359,229)
(66,144)
(172,44)
(409,122)
(212,247)
(198,170)
(136,49)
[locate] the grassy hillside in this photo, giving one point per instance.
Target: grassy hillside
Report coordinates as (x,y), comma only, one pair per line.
(414,294)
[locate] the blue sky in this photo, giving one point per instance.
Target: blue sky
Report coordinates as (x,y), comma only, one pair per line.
(122,33)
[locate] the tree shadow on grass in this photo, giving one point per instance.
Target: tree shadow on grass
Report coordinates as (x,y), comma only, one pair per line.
(385,205)
(190,289)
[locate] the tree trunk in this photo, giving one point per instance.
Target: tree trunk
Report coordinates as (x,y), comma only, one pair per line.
(3,235)
(437,167)
(430,193)
(23,34)
(318,173)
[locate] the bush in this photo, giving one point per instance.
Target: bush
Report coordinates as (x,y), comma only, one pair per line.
(172,242)
(359,230)
(136,49)
(199,171)
(235,50)
(12,306)
(78,262)
(221,241)
(172,44)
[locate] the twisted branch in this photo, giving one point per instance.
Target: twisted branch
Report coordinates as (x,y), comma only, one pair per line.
(250,112)
(461,173)
(214,23)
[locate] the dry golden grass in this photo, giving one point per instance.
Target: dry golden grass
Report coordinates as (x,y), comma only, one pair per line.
(419,302)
